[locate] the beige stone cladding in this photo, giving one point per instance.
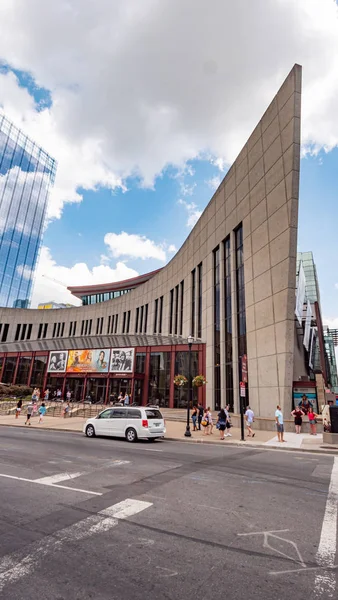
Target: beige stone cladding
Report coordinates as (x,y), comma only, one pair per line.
(260,191)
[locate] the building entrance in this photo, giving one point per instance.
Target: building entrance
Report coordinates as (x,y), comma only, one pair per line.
(96,390)
(119,386)
(75,386)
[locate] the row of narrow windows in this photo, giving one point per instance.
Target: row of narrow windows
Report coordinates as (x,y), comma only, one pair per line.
(141,319)
(87,327)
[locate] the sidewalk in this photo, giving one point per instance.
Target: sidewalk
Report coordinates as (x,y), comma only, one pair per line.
(176,429)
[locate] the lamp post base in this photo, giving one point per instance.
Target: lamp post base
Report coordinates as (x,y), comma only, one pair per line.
(187,432)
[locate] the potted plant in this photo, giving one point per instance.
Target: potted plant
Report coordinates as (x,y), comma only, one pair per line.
(199,380)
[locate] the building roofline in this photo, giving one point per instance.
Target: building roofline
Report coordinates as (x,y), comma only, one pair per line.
(99,288)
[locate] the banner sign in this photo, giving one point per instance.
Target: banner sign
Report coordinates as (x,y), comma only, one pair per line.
(307,331)
(57,362)
(300,294)
(122,360)
(86,361)
(245,368)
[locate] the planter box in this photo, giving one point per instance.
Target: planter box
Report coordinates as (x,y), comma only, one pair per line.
(330,438)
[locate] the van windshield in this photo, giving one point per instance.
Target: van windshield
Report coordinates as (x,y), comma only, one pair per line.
(153,413)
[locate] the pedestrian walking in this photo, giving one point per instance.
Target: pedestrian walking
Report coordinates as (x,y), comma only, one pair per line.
(58,394)
(126,399)
(200,415)
(298,415)
(42,412)
(35,408)
(210,419)
(205,422)
(18,409)
(194,416)
(29,413)
(69,396)
(221,423)
(66,410)
(228,421)
(46,395)
(249,418)
(280,423)
(313,421)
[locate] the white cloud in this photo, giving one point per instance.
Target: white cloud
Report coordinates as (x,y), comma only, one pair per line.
(129,96)
(214,182)
(193,212)
(51,279)
(331,322)
(172,248)
(133,245)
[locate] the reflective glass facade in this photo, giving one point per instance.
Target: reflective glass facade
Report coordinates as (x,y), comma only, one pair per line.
(26,174)
(310,272)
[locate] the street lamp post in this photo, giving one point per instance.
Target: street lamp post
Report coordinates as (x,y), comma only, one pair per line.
(187,430)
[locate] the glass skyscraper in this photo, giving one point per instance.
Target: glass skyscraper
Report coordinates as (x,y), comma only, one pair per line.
(26,174)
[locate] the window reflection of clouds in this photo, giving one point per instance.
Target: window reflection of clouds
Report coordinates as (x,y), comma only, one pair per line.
(26,173)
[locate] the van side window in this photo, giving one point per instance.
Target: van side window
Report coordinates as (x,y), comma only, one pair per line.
(105,414)
(134,414)
(119,413)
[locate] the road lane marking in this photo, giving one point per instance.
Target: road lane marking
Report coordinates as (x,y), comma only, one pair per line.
(16,565)
(51,479)
(126,508)
(325,583)
(54,485)
(302,570)
(270,536)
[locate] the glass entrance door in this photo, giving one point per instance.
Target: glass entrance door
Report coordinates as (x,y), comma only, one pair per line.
(96,390)
(138,392)
(119,386)
(75,386)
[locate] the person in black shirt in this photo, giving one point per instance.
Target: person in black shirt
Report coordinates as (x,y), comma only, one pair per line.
(200,415)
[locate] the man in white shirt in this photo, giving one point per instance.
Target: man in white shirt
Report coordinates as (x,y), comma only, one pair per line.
(280,423)
(249,417)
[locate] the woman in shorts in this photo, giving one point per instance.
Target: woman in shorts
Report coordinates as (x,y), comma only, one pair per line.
(313,421)
(205,422)
(42,412)
(221,423)
(211,424)
(18,409)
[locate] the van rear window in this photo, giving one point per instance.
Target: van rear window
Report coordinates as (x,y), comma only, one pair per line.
(153,413)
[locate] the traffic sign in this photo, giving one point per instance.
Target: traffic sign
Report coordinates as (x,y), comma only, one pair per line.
(242,389)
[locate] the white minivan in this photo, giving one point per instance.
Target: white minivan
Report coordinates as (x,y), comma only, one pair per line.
(132,422)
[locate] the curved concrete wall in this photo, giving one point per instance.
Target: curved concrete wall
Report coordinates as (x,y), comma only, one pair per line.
(260,191)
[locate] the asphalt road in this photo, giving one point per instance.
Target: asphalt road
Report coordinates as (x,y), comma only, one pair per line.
(111,520)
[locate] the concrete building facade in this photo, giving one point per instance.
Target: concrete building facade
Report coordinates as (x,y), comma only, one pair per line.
(231,285)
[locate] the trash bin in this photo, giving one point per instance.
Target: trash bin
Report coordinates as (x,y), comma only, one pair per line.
(334,419)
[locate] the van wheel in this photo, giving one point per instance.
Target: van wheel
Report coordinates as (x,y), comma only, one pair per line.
(131,435)
(90,431)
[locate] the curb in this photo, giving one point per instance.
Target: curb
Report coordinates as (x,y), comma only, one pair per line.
(40,428)
(239,444)
(245,444)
